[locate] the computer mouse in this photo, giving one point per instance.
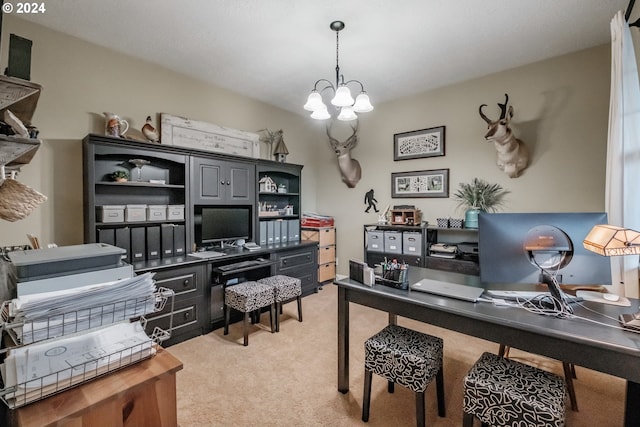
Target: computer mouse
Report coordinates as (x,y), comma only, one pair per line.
(611,297)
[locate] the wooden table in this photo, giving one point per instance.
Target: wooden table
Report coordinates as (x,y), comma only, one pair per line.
(578,341)
(141,395)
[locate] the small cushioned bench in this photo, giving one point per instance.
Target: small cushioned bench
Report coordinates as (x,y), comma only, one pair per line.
(248,297)
(284,288)
(503,392)
(406,357)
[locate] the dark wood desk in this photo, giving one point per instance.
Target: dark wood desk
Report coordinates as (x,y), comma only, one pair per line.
(578,341)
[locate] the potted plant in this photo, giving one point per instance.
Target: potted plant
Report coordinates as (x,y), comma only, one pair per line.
(479,196)
(120,176)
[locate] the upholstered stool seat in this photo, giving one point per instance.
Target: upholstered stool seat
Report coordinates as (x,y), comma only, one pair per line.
(247,297)
(406,357)
(285,288)
(503,392)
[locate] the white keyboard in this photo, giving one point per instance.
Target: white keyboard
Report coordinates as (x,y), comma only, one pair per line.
(207,254)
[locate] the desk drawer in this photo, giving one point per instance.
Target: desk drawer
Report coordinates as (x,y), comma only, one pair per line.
(326,254)
(182,281)
(296,260)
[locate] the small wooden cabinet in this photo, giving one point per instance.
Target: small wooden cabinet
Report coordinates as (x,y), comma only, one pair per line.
(301,262)
(326,238)
(141,395)
(217,181)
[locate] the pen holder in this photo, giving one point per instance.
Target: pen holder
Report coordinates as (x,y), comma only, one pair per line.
(395,278)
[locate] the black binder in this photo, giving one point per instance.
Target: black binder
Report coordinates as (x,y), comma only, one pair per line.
(123,241)
(166,240)
(138,244)
(106,235)
(153,242)
(179,241)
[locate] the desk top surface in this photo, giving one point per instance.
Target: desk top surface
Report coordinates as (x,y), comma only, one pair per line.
(593,333)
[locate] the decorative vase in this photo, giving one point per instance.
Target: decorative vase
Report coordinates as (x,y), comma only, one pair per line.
(471,217)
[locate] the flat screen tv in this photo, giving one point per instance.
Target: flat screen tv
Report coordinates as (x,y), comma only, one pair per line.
(506,242)
(215,224)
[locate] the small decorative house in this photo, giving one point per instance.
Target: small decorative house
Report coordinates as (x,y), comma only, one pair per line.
(280,151)
(267,185)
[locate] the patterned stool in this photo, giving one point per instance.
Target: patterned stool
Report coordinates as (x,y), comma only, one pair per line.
(409,358)
(285,288)
(247,297)
(503,392)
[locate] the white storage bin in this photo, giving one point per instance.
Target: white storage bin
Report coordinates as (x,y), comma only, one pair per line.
(393,242)
(110,213)
(175,212)
(156,212)
(411,243)
(375,241)
(135,213)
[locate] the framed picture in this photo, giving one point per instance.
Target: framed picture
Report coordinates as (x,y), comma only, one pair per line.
(419,144)
(430,183)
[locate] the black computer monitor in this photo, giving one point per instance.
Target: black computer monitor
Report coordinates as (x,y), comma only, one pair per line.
(505,257)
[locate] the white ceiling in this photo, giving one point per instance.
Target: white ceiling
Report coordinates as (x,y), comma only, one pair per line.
(274,50)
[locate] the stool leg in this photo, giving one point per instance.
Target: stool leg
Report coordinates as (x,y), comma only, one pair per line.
(390,386)
(227,315)
(245,328)
(420,409)
(278,311)
(440,392)
(568,377)
(271,314)
(366,400)
(467,420)
(299,298)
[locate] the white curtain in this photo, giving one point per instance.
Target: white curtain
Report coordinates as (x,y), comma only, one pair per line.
(623,151)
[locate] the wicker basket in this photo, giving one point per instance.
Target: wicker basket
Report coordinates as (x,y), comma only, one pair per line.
(17,200)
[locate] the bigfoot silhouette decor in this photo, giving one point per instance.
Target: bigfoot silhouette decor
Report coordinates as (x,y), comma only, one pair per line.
(370,200)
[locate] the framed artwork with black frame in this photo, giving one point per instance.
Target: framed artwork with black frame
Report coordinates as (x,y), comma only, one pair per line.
(418,144)
(428,183)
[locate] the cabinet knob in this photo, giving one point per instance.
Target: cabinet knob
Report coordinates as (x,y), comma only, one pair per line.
(187,315)
(284,261)
(185,283)
(228,182)
(222,181)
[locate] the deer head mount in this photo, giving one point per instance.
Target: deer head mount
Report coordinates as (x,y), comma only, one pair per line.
(349,168)
(513,156)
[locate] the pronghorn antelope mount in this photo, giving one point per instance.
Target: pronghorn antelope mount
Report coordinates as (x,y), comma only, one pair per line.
(349,168)
(513,156)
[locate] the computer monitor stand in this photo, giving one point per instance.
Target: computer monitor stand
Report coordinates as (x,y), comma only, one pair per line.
(558,294)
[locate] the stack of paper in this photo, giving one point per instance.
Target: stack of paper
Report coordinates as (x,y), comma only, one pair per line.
(42,316)
(38,370)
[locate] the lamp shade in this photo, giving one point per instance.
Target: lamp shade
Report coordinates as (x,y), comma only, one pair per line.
(343,97)
(321,113)
(347,114)
(362,105)
(609,240)
(314,101)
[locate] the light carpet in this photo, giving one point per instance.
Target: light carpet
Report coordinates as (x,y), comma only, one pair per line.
(290,378)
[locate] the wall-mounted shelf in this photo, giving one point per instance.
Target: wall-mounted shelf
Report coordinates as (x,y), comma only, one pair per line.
(16,152)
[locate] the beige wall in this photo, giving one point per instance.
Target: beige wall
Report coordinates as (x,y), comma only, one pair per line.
(561,111)
(80,81)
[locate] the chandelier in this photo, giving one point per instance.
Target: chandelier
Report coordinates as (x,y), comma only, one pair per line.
(342,98)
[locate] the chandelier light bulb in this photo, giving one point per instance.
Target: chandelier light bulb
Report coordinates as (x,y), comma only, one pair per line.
(314,101)
(321,113)
(343,97)
(347,114)
(362,105)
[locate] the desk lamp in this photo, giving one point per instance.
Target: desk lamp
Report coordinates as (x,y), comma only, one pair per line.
(609,240)
(549,248)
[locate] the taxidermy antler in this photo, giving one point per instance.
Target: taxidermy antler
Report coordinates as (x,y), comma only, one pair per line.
(349,168)
(513,156)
